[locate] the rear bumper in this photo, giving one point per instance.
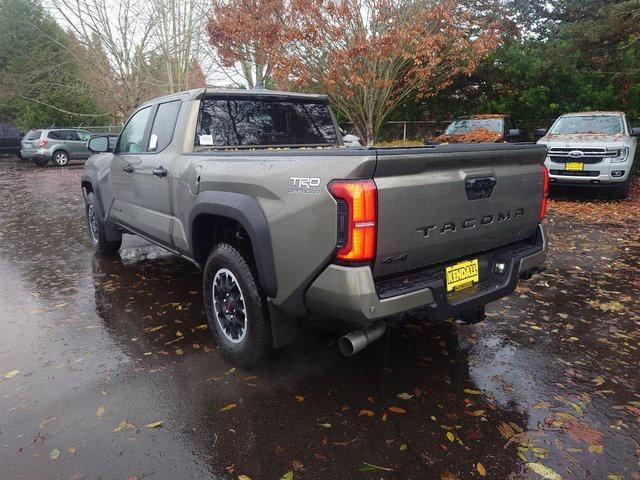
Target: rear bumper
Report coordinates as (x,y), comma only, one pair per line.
(352,294)
(31,154)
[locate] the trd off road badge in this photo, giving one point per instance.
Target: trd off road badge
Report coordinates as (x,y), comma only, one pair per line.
(307,185)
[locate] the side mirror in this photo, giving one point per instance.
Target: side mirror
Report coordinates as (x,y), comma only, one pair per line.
(99,144)
(437,133)
(635,132)
(540,132)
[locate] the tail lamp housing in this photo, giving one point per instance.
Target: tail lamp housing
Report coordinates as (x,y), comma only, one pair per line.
(42,142)
(545,192)
(357,219)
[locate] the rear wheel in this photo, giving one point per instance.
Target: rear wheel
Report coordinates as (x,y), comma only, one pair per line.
(105,239)
(236,307)
(61,158)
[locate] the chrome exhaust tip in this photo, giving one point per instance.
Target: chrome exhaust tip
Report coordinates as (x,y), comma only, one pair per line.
(353,342)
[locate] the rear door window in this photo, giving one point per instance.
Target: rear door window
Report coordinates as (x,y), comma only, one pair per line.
(71,135)
(229,122)
(164,124)
(57,135)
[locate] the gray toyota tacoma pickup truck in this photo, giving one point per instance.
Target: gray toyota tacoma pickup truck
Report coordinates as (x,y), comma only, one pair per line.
(255,188)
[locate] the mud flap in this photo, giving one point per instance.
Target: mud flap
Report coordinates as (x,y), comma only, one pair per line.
(284,330)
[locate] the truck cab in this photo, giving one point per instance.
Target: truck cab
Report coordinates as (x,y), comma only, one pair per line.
(591,149)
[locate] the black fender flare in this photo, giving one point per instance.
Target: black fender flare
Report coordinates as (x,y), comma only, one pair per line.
(92,178)
(249,213)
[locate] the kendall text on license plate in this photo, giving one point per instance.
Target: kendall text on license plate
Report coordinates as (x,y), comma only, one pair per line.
(574,166)
(462,275)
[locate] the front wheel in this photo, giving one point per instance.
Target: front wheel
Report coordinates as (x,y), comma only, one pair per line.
(105,239)
(236,307)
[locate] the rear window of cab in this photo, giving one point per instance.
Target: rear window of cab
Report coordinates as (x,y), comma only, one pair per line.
(264,122)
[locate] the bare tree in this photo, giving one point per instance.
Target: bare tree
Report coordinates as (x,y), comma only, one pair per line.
(134,49)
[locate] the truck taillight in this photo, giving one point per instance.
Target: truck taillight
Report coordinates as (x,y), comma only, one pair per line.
(545,192)
(42,142)
(357,219)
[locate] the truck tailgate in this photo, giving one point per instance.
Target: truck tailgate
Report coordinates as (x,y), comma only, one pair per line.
(448,202)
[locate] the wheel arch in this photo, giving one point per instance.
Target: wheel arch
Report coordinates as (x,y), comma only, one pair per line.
(214,214)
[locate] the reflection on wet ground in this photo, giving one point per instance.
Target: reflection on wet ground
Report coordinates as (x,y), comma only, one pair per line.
(96,350)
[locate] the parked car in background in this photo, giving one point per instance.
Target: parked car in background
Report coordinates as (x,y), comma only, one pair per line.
(59,145)
(591,149)
(10,138)
(487,128)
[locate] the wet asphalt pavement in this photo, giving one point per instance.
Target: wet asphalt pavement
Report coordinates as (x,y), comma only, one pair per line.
(94,351)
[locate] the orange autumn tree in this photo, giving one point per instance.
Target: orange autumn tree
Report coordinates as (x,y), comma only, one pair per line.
(250,36)
(367,55)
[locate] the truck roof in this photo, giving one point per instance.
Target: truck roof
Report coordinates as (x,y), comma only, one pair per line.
(198,93)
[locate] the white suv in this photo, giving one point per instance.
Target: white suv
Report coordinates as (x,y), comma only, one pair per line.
(593,149)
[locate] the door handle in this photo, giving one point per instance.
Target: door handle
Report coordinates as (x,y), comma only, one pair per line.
(128,169)
(160,171)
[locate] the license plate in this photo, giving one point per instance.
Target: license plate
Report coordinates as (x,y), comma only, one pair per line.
(574,166)
(462,275)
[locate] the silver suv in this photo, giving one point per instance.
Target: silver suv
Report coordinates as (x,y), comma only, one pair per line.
(59,145)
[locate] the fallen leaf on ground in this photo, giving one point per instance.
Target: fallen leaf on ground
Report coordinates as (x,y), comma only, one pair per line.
(404,396)
(287,476)
(397,410)
(12,374)
(596,448)
(366,413)
(300,398)
(101,410)
(243,477)
(544,471)
(124,425)
(55,453)
(481,470)
(157,424)
(325,425)
(451,436)
(44,423)
(154,329)
(472,392)
(231,406)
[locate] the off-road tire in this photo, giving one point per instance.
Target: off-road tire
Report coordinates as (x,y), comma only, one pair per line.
(98,230)
(256,347)
(60,158)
